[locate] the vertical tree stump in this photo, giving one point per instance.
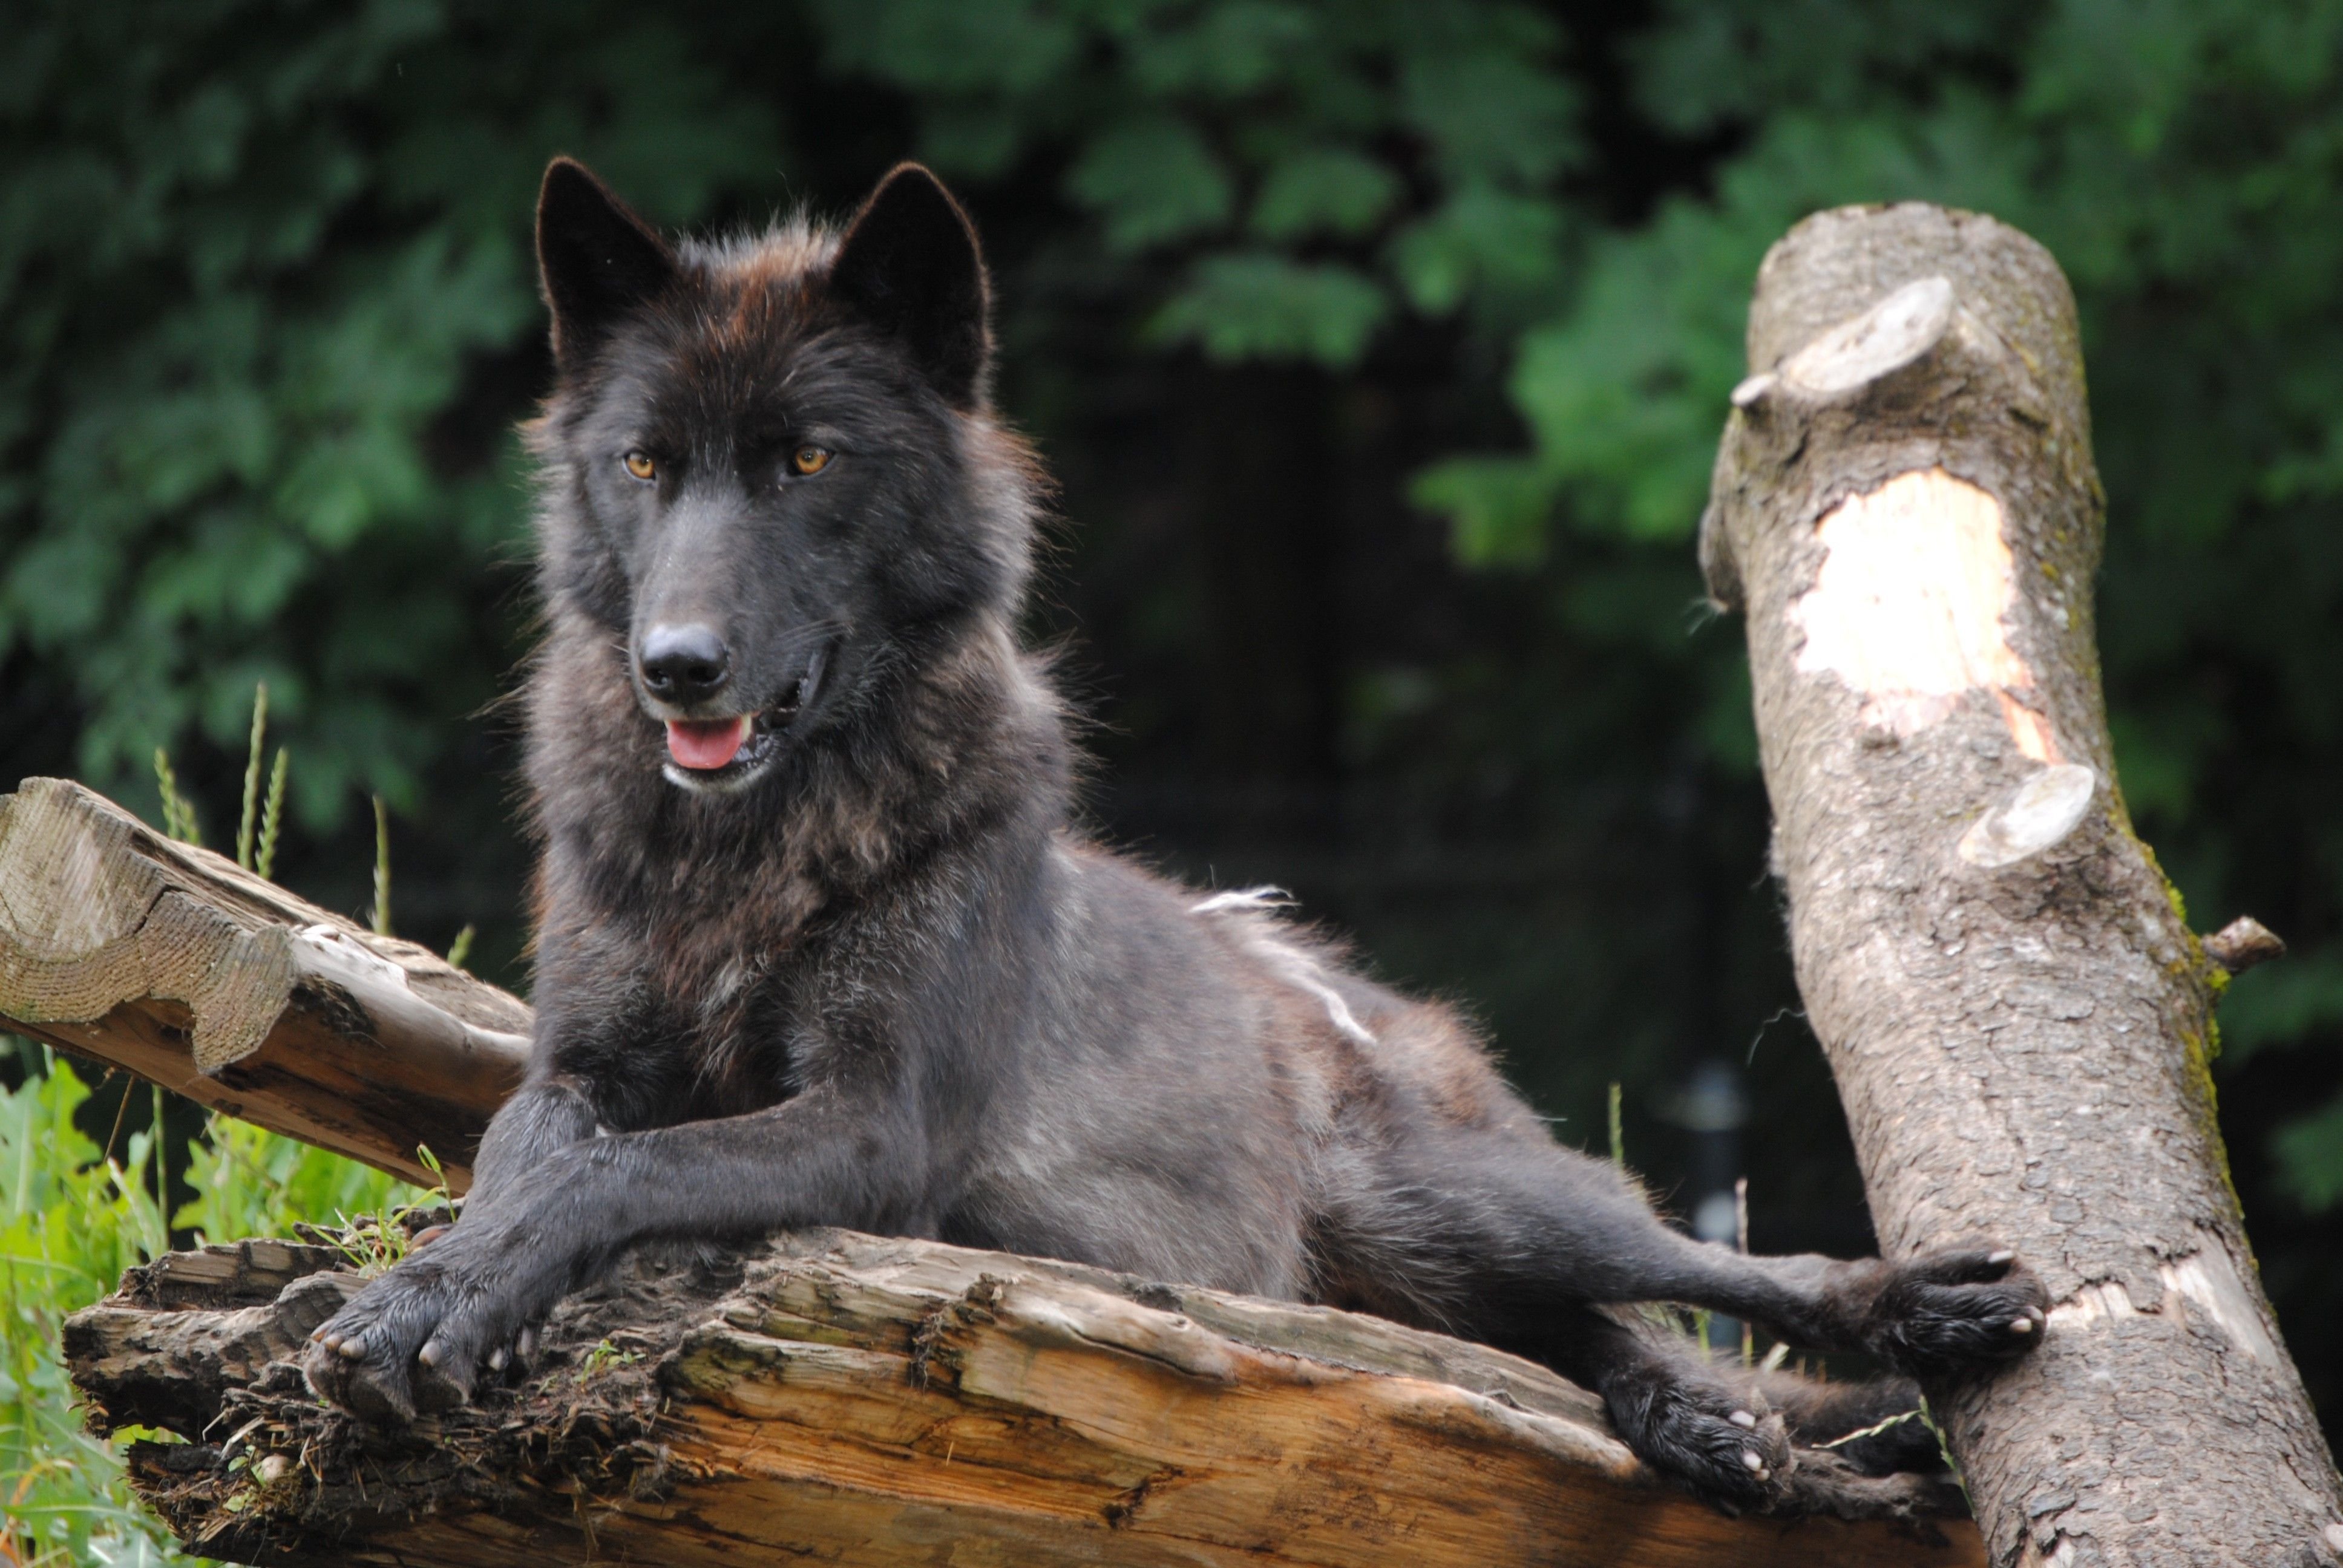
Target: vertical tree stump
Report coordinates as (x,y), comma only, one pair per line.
(2020,1022)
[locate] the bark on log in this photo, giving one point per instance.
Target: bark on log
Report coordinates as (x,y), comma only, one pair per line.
(2019,1021)
(175,964)
(887,1402)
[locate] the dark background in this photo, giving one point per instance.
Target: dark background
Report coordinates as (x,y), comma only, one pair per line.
(1382,350)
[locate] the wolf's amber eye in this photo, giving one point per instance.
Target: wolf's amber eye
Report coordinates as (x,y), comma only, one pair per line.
(809,459)
(641,467)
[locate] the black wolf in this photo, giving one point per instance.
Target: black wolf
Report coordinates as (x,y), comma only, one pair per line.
(817,944)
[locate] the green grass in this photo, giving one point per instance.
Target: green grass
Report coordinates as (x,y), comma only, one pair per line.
(72,1220)
(76,1217)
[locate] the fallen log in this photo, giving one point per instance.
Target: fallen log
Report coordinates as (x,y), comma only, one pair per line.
(175,964)
(2018,1018)
(855,1400)
(866,1400)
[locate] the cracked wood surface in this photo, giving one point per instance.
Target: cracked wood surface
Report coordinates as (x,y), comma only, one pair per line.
(858,1401)
(175,964)
(1904,507)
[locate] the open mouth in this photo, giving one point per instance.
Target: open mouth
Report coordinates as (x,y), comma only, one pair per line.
(723,754)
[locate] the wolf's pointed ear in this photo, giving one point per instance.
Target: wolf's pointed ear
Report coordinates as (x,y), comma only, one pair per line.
(911,267)
(598,260)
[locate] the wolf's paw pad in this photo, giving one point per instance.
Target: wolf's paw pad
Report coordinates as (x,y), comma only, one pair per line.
(1730,1452)
(1957,1309)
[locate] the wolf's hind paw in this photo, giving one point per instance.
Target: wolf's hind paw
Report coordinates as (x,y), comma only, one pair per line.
(1729,1449)
(1957,1309)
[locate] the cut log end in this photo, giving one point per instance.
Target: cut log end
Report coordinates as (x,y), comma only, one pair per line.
(2039,815)
(175,964)
(1895,333)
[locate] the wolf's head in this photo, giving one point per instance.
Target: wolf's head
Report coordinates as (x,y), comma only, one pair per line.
(771,475)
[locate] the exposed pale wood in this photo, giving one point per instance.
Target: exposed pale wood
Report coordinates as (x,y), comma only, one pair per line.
(1905,505)
(859,1400)
(173,963)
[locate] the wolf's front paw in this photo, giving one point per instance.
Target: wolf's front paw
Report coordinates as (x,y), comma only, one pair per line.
(1728,1449)
(417,1339)
(1957,1309)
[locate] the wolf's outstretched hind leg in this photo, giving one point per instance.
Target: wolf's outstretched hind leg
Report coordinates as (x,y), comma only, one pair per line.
(1739,1438)
(1516,1242)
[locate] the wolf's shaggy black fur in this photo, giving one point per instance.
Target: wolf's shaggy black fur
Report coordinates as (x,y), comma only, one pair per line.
(848,964)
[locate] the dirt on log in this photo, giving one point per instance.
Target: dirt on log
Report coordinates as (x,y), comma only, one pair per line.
(859,1401)
(175,964)
(2019,1018)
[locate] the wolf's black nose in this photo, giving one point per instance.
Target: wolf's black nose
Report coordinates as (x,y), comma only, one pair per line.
(684,663)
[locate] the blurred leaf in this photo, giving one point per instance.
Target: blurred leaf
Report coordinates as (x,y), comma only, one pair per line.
(1482,239)
(1233,47)
(1490,110)
(1151,180)
(1264,307)
(2280,1004)
(1496,506)
(2310,1155)
(945,46)
(1324,191)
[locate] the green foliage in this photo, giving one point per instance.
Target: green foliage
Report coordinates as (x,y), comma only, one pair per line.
(1151,180)
(70,1223)
(249,1181)
(1322,190)
(1175,119)
(272,816)
(2311,1152)
(1266,306)
(73,1223)
(179,811)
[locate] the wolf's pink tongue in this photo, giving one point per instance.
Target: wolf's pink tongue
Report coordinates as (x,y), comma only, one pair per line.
(705,745)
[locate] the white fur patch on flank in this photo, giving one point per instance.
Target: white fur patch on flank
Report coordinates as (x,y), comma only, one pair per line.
(1297,968)
(1260,898)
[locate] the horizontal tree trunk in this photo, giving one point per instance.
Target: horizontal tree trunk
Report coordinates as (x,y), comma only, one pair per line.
(858,1401)
(2019,1021)
(173,963)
